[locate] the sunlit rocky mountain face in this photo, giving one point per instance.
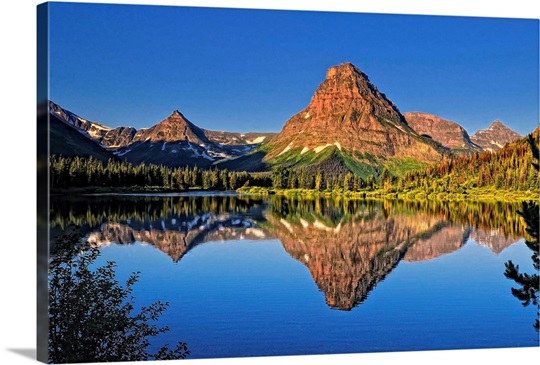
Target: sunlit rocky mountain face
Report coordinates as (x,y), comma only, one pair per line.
(347,247)
(495,137)
(348,122)
(349,116)
(449,134)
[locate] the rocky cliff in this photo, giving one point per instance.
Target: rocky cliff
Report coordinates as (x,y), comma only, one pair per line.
(449,134)
(348,113)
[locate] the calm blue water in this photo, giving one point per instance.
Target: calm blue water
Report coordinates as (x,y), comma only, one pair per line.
(282,278)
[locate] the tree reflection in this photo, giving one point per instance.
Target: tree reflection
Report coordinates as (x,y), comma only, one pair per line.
(94,210)
(348,245)
(174,225)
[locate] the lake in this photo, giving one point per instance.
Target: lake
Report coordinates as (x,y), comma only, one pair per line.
(276,276)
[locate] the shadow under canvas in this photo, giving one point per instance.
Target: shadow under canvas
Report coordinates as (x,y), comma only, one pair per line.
(28,353)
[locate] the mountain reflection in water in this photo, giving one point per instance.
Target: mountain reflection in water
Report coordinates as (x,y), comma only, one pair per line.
(348,246)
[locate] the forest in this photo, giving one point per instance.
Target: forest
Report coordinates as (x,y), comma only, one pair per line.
(507,170)
(80,172)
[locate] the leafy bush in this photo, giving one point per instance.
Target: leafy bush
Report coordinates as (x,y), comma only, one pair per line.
(90,313)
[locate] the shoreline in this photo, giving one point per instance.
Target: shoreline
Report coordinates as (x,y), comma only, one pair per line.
(473,195)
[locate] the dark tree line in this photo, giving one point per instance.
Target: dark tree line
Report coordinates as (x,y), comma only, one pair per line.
(81,211)
(68,172)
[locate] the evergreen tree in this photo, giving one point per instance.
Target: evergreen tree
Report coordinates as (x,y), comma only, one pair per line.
(528,289)
(319,180)
(279,177)
(347,181)
(224,179)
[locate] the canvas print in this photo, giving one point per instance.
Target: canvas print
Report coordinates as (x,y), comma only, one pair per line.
(218,183)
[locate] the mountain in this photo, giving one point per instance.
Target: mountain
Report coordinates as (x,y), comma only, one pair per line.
(347,247)
(349,115)
(103,135)
(172,231)
(449,134)
(68,141)
(118,137)
(177,239)
(175,141)
(236,138)
(507,169)
(495,137)
(174,128)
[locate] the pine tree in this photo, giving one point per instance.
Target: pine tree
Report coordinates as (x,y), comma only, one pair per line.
(347,181)
(319,180)
(527,293)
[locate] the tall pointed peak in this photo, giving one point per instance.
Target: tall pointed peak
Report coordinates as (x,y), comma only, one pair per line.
(497,124)
(343,70)
(177,118)
(176,114)
(176,127)
(349,112)
(495,136)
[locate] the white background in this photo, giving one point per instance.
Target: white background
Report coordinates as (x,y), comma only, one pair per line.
(18,197)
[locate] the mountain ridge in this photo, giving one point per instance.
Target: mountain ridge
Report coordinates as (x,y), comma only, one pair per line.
(68,141)
(174,141)
(105,135)
(448,133)
(347,119)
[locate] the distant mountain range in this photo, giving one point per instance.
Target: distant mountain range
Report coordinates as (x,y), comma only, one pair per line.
(175,141)
(348,123)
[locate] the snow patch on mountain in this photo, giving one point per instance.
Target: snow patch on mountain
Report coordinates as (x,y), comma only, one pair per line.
(321,148)
(286,149)
(256,140)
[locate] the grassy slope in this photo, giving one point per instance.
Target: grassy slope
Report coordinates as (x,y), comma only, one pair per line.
(360,164)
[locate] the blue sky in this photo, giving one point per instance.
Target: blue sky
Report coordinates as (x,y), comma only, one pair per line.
(251,70)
